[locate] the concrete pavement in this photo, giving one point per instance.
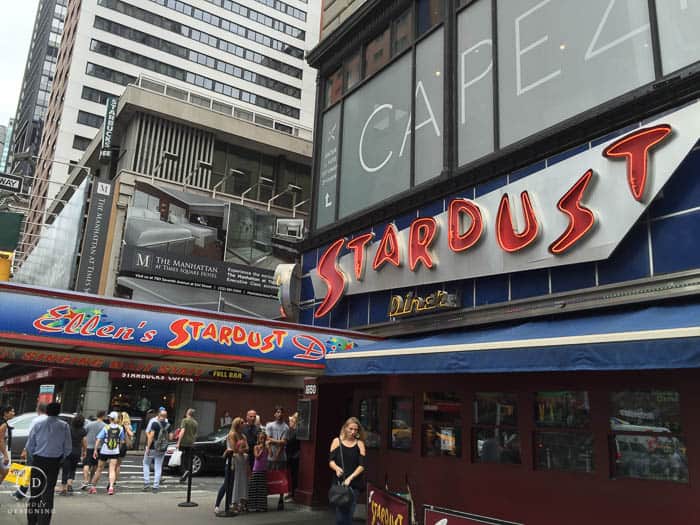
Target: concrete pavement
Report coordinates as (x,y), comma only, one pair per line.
(157,509)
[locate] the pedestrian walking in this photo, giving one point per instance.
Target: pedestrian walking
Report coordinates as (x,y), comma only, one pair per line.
(107,447)
(78,450)
(90,463)
(6,413)
(185,440)
(157,436)
(49,443)
(347,461)
(257,488)
(240,466)
(226,488)
(277,433)
(251,431)
(293,454)
(21,491)
(124,422)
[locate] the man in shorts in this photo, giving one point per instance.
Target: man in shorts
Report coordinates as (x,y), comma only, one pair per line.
(107,446)
(90,464)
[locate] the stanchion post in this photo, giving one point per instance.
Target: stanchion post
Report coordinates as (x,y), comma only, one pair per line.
(188,467)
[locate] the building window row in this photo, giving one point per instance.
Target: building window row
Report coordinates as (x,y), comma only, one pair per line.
(192,78)
(372,56)
(284,8)
(111,75)
(240,30)
(95,95)
(89,119)
(196,57)
(81,143)
(258,17)
(201,36)
(644,436)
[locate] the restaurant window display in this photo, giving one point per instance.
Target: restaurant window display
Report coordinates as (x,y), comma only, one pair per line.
(401,423)
(563,439)
(369,418)
(495,432)
(442,424)
(646,440)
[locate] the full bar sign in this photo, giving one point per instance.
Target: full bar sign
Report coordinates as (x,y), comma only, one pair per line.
(10,182)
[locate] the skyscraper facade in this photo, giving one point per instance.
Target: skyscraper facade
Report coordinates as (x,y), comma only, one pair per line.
(246,54)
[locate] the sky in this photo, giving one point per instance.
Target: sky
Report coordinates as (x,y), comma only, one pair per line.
(16,26)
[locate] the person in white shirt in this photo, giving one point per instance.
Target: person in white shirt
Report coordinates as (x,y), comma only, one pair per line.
(107,446)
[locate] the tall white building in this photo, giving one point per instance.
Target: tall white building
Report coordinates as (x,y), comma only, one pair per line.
(245,55)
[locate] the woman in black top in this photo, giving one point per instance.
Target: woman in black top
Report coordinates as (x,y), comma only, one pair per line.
(78,451)
(347,461)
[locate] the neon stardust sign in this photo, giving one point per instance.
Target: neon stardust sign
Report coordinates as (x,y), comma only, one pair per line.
(466,223)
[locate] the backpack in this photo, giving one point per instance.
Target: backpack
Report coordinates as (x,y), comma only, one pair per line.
(112,440)
(161,442)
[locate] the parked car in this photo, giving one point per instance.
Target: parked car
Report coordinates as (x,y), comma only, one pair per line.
(20,431)
(207,452)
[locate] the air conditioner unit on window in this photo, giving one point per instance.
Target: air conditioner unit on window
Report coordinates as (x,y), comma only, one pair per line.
(290,228)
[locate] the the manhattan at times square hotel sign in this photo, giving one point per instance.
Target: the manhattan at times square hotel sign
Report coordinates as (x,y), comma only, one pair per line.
(577,210)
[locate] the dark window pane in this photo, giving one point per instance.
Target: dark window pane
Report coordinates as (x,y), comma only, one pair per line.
(565,409)
(353,70)
(651,411)
(495,408)
(494,445)
(401,423)
(377,53)
(649,457)
(369,417)
(571,451)
(403,32)
(334,87)
(430,13)
(442,427)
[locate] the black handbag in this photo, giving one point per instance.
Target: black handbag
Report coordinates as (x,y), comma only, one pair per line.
(338,494)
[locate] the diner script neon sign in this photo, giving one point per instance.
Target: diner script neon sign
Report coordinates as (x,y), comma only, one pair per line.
(633,148)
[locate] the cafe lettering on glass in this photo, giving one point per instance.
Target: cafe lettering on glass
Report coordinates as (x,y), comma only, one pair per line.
(634,149)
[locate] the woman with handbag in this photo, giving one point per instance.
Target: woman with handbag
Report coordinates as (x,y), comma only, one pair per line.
(347,461)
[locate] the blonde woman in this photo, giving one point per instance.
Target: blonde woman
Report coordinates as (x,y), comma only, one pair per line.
(240,465)
(124,421)
(347,461)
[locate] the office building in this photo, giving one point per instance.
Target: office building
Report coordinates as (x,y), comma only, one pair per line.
(247,55)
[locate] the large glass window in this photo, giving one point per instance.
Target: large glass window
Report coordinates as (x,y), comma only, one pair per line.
(376,149)
(564,440)
(475,83)
(326,204)
(401,423)
(353,70)
(334,87)
(678,33)
(646,441)
(429,95)
(442,424)
(430,13)
(560,58)
(369,417)
(403,32)
(495,432)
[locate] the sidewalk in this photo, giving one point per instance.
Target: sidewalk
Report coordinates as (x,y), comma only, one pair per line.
(161,509)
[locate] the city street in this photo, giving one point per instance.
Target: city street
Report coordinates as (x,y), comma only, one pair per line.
(140,508)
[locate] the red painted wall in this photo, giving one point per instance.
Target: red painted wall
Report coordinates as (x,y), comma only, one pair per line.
(518,492)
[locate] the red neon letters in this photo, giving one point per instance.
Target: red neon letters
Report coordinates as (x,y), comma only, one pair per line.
(507,237)
(358,246)
(388,251)
(635,149)
(333,277)
(581,219)
(420,237)
(459,242)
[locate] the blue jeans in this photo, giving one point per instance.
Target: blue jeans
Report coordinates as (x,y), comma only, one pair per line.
(148,458)
(227,484)
(344,516)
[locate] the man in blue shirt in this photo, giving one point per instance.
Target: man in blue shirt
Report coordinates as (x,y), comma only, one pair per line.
(48,444)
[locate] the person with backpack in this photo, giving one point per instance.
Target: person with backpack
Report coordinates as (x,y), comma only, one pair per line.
(157,438)
(107,447)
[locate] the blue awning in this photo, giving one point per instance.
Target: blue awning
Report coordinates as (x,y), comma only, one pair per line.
(658,337)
